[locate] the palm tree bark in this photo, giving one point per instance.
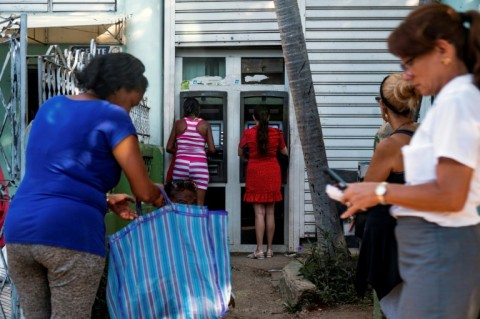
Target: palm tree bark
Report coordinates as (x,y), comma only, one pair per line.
(329,230)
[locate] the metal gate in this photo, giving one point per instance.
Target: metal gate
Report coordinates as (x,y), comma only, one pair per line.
(56,71)
(13,35)
(56,76)
(13,98)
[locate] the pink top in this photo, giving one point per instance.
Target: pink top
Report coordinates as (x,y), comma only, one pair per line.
(191,142)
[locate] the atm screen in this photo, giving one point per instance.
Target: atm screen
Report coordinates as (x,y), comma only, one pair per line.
(271,124)
(216,132)
(275,125)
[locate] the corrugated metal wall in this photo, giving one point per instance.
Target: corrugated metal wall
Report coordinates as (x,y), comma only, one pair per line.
(57,5)
(225,23)
(346,43)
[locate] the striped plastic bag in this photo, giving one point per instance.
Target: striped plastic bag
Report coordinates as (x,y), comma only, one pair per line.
(171,263)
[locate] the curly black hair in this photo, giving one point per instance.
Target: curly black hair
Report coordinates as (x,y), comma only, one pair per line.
(106,74)
(191,107)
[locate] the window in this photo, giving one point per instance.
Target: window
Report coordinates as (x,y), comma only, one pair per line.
(196,67)
(263,71)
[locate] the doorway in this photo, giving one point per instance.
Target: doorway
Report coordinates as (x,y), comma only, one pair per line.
(227,193)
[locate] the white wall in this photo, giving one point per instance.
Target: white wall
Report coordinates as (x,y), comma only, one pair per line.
(144,38)
(463,5)
(225,23)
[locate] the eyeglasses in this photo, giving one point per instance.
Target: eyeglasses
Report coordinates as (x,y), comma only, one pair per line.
(407,64)
(378,99)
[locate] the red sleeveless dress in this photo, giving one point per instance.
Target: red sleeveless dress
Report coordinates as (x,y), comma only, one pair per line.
(263,176)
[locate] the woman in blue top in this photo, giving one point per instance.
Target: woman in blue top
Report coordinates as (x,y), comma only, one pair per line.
(78,146)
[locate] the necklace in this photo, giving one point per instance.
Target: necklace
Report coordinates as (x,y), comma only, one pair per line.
(402,125)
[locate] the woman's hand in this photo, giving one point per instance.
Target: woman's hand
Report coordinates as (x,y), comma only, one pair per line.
(358,197)
(118,203)
(160,201)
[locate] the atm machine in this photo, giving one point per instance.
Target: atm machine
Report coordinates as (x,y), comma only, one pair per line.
(277,103)
(213,108)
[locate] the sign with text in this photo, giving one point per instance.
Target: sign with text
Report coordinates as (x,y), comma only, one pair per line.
(101,49)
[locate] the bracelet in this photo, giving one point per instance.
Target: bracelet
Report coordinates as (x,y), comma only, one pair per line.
(108,200)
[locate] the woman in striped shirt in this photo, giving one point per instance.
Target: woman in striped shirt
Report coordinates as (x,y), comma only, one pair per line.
(187,141)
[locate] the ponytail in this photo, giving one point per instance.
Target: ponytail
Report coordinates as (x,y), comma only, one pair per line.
(471,23)
(261,115)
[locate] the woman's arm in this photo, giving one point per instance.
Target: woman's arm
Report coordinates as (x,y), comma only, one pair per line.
(210,142)
(171,140)
(447,193)
(240,152)
(241,145)
(284,151)
(127,153)
(381,164)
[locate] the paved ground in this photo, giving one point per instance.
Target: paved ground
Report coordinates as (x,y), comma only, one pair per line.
(254,285)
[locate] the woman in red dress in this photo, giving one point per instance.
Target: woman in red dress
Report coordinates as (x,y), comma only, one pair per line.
(263,178)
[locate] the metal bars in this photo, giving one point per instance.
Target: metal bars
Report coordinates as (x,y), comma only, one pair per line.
(13,103)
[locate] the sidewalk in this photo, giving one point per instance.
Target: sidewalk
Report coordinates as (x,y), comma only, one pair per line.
(255,285)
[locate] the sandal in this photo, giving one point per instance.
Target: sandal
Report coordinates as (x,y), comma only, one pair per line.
(256,255)
(269,253)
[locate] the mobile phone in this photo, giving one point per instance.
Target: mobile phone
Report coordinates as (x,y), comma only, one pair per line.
(340,182)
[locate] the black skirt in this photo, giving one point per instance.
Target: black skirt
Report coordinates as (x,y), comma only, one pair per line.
(378,260)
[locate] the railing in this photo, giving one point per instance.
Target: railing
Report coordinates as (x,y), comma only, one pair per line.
(56,76)
(140,118)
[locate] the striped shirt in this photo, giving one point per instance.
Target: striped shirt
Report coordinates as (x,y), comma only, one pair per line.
(191,142)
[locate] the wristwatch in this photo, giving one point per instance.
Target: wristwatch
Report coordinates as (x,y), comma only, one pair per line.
(381,191)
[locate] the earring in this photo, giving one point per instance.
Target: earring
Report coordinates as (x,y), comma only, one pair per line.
(446,61)
(385,117)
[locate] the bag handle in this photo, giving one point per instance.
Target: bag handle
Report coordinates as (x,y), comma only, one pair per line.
(165,196)
(138,203)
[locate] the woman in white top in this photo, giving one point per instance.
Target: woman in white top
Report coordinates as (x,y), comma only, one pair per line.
(438,225)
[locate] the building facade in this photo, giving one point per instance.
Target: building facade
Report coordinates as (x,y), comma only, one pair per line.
(228,55)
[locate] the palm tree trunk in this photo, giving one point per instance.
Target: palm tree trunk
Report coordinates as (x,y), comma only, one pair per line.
(329,230)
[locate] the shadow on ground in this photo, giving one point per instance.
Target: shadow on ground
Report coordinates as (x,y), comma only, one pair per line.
(255,285)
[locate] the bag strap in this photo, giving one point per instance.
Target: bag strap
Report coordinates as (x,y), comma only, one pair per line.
(138,207)
(165,196)
(138,203)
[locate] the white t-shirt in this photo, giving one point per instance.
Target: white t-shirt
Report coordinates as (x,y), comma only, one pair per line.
(451,129)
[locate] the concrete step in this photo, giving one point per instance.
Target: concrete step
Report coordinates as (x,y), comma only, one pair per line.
(293,287)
